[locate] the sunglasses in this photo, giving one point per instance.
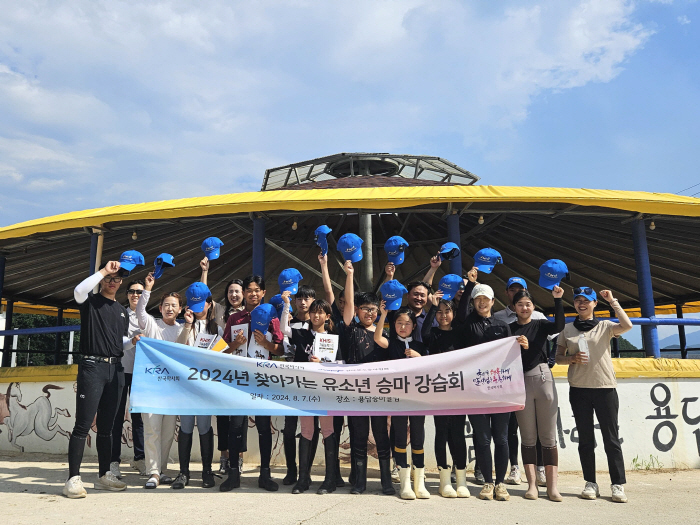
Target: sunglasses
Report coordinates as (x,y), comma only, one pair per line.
(583,291)
(110,279)
(134,292)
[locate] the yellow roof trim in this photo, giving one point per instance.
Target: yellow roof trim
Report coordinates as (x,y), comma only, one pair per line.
(21,307)
(368,198)
(629,368)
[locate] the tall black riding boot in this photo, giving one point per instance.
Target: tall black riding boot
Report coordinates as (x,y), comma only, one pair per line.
(360,485)
(206,448)
(290,454)
(385,475)
(304,464)
(314,445)
(330,447)
(184,451)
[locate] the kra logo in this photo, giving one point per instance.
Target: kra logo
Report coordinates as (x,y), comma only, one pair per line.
(157,370)
(287,281)
(484,258)
(551,275)
(350,249)
(266,364)
(390,296)
(194,299)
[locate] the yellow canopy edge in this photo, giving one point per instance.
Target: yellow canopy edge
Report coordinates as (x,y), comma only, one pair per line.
(367,198)
(629,368)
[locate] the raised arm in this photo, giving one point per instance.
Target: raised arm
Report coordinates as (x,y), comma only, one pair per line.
(86,286)
(389,271)
(430,318)
(379,338)
(559,316)
(349,310)
(204,265)
(625,325)
(463,309)
(327,287)
(146,322)
(435,263)
(284,319)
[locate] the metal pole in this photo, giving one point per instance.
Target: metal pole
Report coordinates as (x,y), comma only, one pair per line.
(615,342)
(681,332)
(70,348)
(259,247)
(650,335)
(93,253)
(7,353)
(453,236)
(57,348)
(3,259)
(367,275)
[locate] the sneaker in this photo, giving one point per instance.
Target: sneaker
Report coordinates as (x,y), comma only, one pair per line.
(590,491)
(395,478)
(74,488)
(479,477)
(502,492)
(618,494)
(181,481)
(487,491)
(541,477)
(110,482)
(514,476)
(114,469)
(140,466)
(224,465)
(240,464)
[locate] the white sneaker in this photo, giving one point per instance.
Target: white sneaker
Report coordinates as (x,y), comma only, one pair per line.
(140,466)
(109,482)
(541,477)
(618,494)
(590,491)
(74,488)
(514,476)
(114,469)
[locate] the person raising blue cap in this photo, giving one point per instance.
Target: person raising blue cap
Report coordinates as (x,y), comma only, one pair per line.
(288,280)
(129,260)
(211,247)
(449,251)
(486,258)
(162,261)
(350,247)
(552,272)
(320,236)
(395,248)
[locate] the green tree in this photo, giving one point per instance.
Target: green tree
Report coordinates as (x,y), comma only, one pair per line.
(45,343)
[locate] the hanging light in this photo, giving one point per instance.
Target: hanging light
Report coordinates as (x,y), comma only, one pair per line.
(134,236)
(652,226)
(481,219)
(294,224)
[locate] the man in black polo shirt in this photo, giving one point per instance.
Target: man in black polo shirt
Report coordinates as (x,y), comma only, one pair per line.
(104,325)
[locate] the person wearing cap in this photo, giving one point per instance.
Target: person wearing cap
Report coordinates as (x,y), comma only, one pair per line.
(104,329)
(449,430)
(357,346)
(253,294)
(399,347)
(199,319)
(539,417)
(159,430)
(133,293)
(480,327)
(584,346)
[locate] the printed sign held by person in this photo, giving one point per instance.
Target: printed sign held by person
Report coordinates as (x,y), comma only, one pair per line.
(326,347)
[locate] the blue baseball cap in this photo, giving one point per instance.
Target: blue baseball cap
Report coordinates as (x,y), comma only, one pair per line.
(129,260)
(163,260)
(261,317)
(395,247)
(450,284)
(320,237)
(552,272)
(449,251)
(278,303)
(197,295)
(486,258)
(289,280)
(350,246)
(393,292)
(516,280)
(587,292)
(211,246)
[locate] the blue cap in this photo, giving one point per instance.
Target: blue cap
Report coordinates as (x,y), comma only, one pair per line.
(449,251)
(289,280)
(197,295)
(450,284)
(130,260)
(211,246)
(393,292)
(261,317)
(164,259)
(516,280)
(350,246)
(320,238)
(587,292)
(552,272)
(395,247)
(486,258)
(278,303)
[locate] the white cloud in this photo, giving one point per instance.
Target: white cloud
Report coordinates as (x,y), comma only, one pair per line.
(683,20)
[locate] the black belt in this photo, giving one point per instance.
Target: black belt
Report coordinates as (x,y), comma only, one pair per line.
(110,360)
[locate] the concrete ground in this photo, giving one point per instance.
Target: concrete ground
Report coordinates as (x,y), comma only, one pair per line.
(30,492)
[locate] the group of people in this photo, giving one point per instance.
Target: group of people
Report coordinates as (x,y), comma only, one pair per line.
(431,322)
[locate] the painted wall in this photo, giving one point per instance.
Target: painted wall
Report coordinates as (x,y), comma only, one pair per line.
(659,419)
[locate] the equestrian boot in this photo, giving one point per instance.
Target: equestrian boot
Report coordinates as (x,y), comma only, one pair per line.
(405,479)
(304,481)
(385,476)
(314,446)
(234,479)
(446,489)
(206,448)
(330,447)
(353,476)
(265,480)
(462,490)
(184,450)
(290,454)
(419,484)
(360,463)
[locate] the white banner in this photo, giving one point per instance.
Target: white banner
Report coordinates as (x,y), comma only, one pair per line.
(175,379)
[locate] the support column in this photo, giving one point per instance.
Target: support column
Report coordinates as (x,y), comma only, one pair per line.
(57,347)
(3,260)
(453,236)
(650,336)
(93,253)
(259,247)
(614,342)
(7,347)
(681,332)
(367,274)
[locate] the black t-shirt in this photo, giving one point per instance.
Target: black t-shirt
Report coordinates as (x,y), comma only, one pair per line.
(477,330)
(103,325)
(302,341)
(438,341)
(357,344)
(537,331)
(397,348)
